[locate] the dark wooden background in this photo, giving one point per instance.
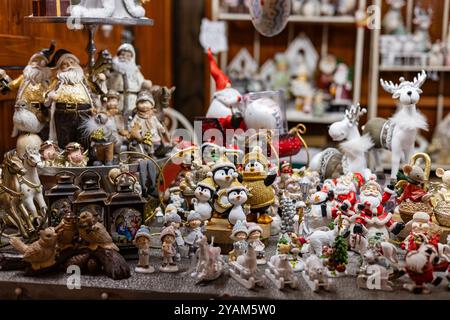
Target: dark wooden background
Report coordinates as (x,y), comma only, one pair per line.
(19,40)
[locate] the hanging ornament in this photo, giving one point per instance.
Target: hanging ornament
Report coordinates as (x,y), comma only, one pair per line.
(270,16)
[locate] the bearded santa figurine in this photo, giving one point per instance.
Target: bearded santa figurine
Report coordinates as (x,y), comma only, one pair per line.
(344,196)
(420,232)
(371,206)
(224,99)
(341,87)
(30,115)
(126,77)
(70,100)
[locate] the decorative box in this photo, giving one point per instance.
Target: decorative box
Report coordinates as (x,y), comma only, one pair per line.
(58,8)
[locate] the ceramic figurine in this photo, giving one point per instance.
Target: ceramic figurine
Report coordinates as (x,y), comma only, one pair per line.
(31,186)
(113,111)
(316,275)
(245,270)
(311,8)
(100,130)
(319,105)
(41,253)
(280,79)
(440,197)
(398,134)
(194,231)
(210,265)
(204,193)
(327,8)
(270,17)
(142,242)
(126,78)
(419,265)
(49,153)
(344,197)
(225,96)
(120,9)
(302,90)
(280,272)
(346,7)
(421,232)
(393,19)
(436,55)
(341,86)
(422,21)
(258,180)
(74,155)
(223,174)
(371,215)
(69,99)
(239,235)
(237,197)
(254,239)
(30,114)
(318,213)
(168,250)
(327,66)
(146,129)
(67,229)
(94,233)
(412,186)
(173,219)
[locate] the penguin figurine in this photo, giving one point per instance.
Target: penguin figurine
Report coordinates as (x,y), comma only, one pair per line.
(223,172)
(204,193)
(237,197)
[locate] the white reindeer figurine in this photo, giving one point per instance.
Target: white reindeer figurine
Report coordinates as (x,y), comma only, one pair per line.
(30,185)
(353,147)
(398,133)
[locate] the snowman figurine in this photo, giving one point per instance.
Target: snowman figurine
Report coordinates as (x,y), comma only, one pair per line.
(237,197)
(223,172)
(204,192)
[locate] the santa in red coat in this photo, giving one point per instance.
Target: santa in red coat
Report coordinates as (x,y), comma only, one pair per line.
(371,204)
(344,197)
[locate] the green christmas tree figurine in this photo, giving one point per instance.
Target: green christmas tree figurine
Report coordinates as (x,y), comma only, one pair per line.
(339,257)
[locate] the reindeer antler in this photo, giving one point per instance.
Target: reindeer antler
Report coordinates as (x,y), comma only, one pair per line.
(354,113)
(420,80)
(389,86)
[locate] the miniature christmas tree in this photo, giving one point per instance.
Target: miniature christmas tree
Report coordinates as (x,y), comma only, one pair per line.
(339,257)
(288,213)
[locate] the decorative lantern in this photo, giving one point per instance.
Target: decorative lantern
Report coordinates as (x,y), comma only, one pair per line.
(91,197)
(125,212)
(62,192)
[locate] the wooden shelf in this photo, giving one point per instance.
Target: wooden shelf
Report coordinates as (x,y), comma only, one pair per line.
(293,115)
(293,18)
(92,21)
(414,68)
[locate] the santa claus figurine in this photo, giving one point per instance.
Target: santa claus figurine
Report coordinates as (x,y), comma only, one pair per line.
(420,232)
(344,197)
(224,99)
(372,216)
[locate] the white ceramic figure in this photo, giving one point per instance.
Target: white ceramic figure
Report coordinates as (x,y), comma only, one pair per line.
(204,193)
(254,240)
(422,21)
(281,273)
(311,8)
(302,89)
(245,270)
(327,8)
(210,265)
(346,7)
(318,214)
(30,184)
(398,133)
(223,173)
(393,19)
(436,56)
(237,197)
(194,231)
(316,275)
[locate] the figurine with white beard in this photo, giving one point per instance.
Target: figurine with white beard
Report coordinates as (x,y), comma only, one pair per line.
(372,216)
(126,77)
(341,85)
(30,115)
(344,196)
(69,98)
(204,192)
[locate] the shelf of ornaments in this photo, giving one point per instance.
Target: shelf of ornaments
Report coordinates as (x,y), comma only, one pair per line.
(388,68)
(295,18)
(90,21)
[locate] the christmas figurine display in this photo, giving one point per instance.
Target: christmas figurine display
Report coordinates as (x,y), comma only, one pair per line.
(142,242)
(168,250)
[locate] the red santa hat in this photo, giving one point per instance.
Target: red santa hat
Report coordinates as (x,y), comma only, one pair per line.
(220,78)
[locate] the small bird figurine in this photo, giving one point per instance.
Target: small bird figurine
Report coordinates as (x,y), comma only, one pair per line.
(94,233)
(41,253)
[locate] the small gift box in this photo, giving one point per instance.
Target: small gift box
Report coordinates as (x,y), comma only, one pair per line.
(51,8)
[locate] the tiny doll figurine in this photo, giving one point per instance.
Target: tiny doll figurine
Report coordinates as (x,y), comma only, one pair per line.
(194,231)
(173,219)
(237,197)
(75,156)
(239,234)
(168,250)
(254,239)
(100,129)
(49,153)
(142,241)
(146,128)
(204,193)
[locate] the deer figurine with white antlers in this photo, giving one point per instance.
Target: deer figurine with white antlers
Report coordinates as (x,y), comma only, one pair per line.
(398,133)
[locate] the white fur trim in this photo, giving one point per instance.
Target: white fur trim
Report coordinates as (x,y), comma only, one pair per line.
(389,190)
(410,120)
(357,145)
